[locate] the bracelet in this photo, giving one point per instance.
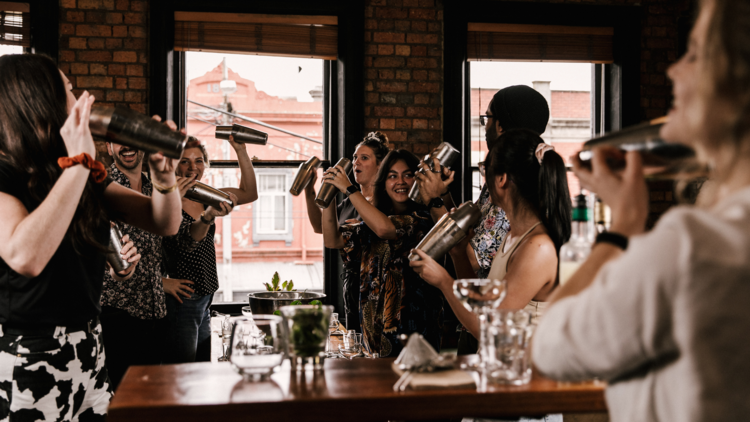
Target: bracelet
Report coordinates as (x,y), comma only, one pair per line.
(206,221)
(98,171)
(616,239)
(162,189)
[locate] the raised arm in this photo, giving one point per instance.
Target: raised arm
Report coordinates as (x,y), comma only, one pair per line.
(332,237)
(434,184)
(248,190)
(314,213)
(378,222)
(28,240)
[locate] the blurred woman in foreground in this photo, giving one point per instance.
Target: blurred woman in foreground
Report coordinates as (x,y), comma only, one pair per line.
(665,322)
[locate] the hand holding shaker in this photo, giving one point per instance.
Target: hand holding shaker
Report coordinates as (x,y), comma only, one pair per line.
(448,231)
(130,128)
(115,259)
(242,134)
(446,155)
(208,195)
(304,175)
(328,191)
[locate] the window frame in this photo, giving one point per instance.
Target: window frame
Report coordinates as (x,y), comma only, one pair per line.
(287,235)
(342,81)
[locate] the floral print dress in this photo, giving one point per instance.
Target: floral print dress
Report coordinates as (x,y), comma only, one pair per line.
(489,233)
(393,299)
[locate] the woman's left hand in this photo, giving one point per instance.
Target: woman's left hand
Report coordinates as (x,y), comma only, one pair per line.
(432,272)
(162,167)
(130,254)
(225,208)
(337,177)
(236,145)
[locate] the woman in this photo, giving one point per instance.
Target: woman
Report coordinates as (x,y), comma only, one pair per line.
(365,164)
(665,322)
(526,178)
(392,299)
(53,243)
(191,259)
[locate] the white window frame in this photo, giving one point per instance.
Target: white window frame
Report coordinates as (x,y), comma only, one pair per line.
(287,234)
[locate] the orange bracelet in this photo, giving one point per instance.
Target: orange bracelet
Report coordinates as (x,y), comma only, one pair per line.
(98,171)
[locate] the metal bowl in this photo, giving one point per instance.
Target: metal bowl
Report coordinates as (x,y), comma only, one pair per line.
(268,302)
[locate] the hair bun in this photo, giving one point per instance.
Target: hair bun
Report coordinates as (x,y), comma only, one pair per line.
(377,136)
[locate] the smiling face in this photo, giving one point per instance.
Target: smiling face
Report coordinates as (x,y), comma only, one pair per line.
(191,164)
(688,111)
(399,181)
(364,165)
(125,157)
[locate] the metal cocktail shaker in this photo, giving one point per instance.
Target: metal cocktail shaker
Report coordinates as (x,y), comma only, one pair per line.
(118,263)
(446,155)
(328,191)
(242,134)
(127,127)
(304,175)
(208,195)
(448,231)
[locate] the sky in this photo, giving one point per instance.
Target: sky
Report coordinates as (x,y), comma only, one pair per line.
(282,77)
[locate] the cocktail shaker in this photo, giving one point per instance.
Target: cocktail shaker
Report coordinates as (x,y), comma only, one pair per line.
(304,175)
(446,155)
(208,195)
(449,230)
(328,191)
(127,127)
(118,263)
(661,160)
(242,134)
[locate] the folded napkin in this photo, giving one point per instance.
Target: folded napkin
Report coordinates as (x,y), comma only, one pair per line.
(452,378)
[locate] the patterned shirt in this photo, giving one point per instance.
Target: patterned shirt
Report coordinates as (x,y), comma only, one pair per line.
(187,259)
(393,299)
(142,296)
(489,233)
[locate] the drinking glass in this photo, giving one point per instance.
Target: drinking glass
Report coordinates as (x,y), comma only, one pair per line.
(481,295)
(334,337)
(351,346)
(511,333)
(307,326)
(256,346)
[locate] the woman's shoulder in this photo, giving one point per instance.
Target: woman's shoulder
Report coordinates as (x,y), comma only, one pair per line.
(537,246)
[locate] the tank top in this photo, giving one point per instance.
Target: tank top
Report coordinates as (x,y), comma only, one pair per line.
(500,268)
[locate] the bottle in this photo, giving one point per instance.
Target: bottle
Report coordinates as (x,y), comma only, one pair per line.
(578,248)
(334,330)
(602,216)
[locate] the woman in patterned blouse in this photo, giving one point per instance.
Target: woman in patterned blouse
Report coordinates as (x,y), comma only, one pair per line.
(191,259)
(393,300)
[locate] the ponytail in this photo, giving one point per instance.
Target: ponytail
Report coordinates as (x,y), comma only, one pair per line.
(540,183)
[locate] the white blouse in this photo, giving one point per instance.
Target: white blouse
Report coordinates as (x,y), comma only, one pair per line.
(667,324)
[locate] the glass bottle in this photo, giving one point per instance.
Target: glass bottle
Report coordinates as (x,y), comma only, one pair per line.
(602,216)
(334,330)
(578,248)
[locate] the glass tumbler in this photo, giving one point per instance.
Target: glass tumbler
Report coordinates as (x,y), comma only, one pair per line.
(511,333)
(307,327)
(257,346)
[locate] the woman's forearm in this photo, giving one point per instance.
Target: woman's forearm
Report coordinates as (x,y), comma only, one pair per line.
(199,230)
(378,222)
(332,238)
(28,241)
(248,185)
(314,213)
(467,318)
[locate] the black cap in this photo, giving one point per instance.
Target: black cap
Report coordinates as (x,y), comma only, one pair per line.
(520,107)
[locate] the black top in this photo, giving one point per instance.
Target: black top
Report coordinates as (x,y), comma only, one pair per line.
(187,259)
(68,290)
(346,211)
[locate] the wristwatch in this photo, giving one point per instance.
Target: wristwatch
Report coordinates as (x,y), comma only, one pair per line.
(206,221)
(351,189)
(436,202)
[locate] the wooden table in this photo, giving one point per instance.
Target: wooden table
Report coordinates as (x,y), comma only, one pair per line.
(357,390)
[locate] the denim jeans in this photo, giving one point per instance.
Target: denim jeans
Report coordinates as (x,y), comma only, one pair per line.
(187,329)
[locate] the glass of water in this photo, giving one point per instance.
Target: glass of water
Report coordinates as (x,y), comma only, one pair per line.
(351,345)
(257,346)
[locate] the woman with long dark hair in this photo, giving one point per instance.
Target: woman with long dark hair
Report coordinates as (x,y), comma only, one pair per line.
(662,316)
(392,299)
(56,202)
(527,179)
(366,160)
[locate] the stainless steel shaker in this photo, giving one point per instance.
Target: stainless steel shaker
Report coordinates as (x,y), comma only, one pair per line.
(304,175)
(448,231)
(446,155)
(328,191)
(208,195)
(127,127)
(118,263)
(242,134)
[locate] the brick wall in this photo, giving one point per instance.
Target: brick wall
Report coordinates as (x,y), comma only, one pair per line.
(404,71)
(570,104)
(104,50)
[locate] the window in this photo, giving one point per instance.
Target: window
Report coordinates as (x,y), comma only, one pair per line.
(15,27)
(272,210)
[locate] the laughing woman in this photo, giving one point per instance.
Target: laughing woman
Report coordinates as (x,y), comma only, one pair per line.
(393,300)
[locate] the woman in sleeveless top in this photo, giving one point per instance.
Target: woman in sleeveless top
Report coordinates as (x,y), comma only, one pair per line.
(527,179)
